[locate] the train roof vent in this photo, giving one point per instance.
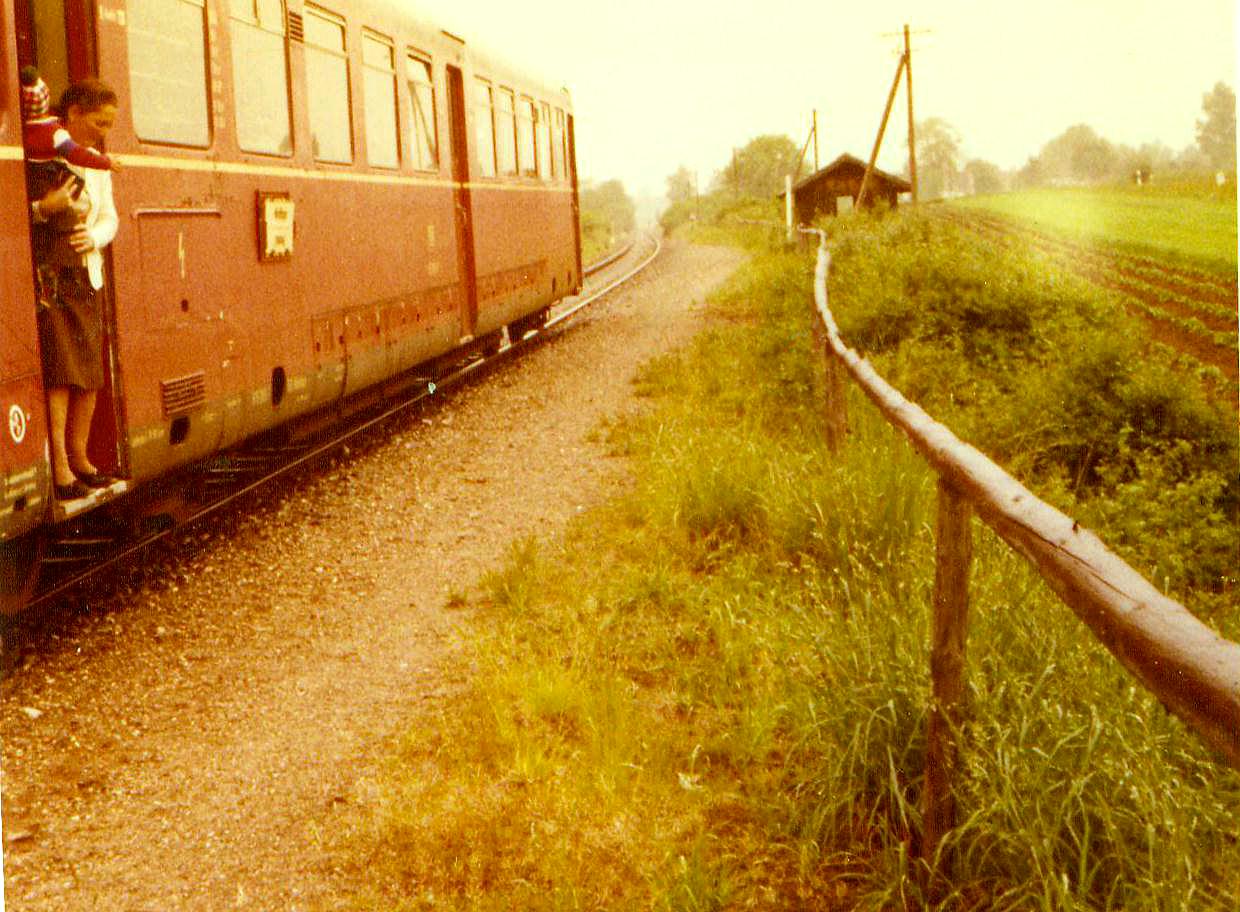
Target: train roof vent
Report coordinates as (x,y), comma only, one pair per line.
(296,27)
(183,394)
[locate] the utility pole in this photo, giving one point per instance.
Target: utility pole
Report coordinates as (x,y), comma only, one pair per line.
(815,140)
(812,137)
(882,128)
(912,138)
(905,64)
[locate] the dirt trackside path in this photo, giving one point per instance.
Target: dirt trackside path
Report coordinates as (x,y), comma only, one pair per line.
(179,745)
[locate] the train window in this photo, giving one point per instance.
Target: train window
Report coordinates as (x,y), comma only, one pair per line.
(505,133)
(269,10)
(527,153)
(260,76)
(379,84)
(544,140)
(484,127)
(327,86)
(425,145)
(168,71)
(557,145)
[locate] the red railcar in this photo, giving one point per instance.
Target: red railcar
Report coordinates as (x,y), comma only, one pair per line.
(313,199)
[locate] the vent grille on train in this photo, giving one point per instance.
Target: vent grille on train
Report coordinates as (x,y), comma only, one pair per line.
(296,27)
(183,394)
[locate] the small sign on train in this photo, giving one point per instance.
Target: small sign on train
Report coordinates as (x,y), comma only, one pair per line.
(275,225)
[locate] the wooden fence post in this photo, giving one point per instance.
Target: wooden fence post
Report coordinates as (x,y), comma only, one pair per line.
(836,404)
(954,554)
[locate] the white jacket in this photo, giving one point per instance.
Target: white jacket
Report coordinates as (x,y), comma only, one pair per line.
(101,220)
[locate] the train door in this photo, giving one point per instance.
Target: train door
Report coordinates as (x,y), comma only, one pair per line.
(572,171)
(58,37)
(462,204)
(43,41)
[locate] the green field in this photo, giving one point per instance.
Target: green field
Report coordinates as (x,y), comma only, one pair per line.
(1182,220)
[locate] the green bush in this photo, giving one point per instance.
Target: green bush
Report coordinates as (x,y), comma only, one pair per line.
(725,217)
(1042,371)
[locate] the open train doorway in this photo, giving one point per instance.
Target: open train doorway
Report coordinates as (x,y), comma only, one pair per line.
(57,37)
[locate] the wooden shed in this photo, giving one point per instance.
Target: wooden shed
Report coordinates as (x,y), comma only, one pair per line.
(837,186)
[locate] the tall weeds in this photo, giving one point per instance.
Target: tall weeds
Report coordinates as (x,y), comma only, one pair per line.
(711,694)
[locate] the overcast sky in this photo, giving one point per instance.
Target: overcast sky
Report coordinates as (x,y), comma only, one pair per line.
(657,84)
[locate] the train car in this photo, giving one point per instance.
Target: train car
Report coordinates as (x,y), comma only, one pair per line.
(313,198)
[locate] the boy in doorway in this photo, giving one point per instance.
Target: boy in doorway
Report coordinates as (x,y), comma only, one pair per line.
(44,138)
(46,142)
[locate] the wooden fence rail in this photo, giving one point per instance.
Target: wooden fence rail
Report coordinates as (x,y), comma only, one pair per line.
(1190,668)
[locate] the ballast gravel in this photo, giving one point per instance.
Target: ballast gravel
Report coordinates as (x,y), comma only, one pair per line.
(183,738)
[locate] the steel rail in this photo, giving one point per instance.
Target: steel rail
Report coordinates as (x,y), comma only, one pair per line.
(560,318)
(320,449)
(605,261)
(1192,670)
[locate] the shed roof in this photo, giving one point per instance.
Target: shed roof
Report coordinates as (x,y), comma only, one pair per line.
(899,183)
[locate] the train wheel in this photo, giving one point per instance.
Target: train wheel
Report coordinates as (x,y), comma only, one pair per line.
(519,327)
(20,560)
(491,343)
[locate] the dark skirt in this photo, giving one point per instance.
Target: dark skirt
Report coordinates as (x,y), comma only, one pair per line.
(70,328)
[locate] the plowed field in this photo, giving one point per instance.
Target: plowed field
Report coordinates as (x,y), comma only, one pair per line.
(1194,311)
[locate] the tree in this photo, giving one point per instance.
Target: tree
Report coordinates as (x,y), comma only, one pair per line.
(938,158)
(1148,159)
(681,186)
(758,169)
(1031,175)
(1092,157)
(1080,155)
(607,214)
(1191,158)
(1216,135)
(985,177)
(611,204)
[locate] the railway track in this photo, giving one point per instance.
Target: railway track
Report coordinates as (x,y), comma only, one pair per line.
(99,541)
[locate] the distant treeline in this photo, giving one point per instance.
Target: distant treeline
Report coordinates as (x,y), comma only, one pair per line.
(607,217)
(1079,155)
(1076,156)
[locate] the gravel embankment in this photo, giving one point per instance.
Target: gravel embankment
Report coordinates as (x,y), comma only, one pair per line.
(178,743)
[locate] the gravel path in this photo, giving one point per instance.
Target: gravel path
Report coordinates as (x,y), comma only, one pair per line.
(178,743)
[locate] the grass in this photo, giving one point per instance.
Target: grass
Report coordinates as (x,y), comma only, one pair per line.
(1194,227)
(711,693)
(595,245)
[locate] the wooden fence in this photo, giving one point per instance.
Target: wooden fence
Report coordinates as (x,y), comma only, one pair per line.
(1190,668)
